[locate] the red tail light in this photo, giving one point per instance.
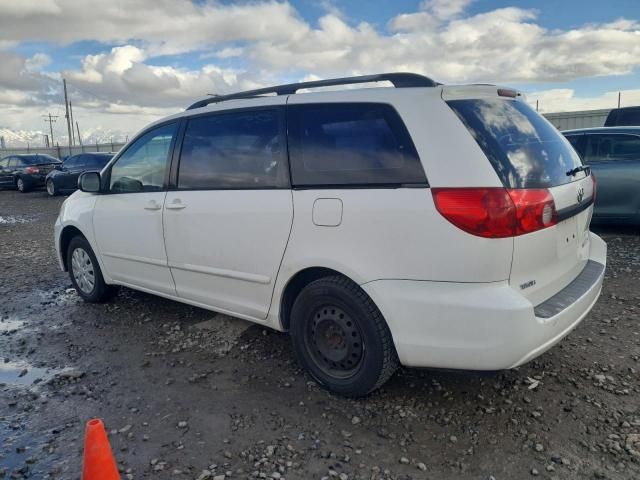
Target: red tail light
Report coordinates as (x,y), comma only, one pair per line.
(32,170)
(496,212)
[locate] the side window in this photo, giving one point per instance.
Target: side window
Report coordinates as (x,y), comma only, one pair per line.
(576,143)
(4,163)
(142,167)
(608,147)
(351,144)
(234,150)
(71,162)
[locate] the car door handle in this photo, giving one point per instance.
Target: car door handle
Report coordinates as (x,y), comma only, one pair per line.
(176,204)
(152,205)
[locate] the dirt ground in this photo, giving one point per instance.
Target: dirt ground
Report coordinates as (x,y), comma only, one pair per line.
(185,396)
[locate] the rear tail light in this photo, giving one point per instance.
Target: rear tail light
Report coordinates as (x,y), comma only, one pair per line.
(496,212)
(32,170)
(595,184)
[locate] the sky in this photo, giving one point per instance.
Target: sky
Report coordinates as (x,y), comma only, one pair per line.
(129,62)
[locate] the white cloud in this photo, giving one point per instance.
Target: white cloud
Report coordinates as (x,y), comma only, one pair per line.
(566,100)
(273,43)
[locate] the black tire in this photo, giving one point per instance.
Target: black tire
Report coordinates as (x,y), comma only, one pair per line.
(340,337)
(100,291)
(51,188)
(21,185)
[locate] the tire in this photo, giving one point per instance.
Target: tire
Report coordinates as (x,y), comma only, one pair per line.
(21,185)
(340,337)
(51,188)
(85,272)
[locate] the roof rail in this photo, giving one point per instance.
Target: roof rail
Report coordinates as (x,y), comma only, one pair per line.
(399,80)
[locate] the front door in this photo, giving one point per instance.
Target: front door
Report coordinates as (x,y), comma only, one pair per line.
(128,218)
(228,221)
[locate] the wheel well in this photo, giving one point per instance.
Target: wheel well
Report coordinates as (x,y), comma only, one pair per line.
(295,285)
(65,238)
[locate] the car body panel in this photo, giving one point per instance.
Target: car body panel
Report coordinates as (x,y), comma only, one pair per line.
(617,175)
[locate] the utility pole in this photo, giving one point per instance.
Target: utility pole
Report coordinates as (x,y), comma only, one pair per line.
(73,136)
(46,140)
(79,137)
(51,119)
(66,105)
(619,93)
(536,105)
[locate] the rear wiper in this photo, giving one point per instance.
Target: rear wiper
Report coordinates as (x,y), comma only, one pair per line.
(581,168)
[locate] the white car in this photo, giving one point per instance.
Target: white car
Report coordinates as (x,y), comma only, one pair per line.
(424,225)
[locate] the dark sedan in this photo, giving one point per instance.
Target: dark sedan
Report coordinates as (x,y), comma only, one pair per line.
(27,171)
(613,153)
(64,178)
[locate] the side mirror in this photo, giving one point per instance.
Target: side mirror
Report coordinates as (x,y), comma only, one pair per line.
(89,182)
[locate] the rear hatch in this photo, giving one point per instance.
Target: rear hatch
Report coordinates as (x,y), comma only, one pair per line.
(531,157)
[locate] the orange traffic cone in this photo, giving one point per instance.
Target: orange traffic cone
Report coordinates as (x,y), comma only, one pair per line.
(98,462)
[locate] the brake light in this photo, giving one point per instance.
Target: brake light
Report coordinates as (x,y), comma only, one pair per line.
(32,170)
(496,212)
(595,184)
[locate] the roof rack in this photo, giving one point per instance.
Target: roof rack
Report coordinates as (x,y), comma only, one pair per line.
(399,80)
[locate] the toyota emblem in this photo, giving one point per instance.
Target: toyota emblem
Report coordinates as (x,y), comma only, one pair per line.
(580,194)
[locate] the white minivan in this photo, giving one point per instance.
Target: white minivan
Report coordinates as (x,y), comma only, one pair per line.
(419,224)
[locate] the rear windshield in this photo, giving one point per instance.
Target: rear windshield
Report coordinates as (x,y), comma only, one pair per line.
(624,117)
(525,150)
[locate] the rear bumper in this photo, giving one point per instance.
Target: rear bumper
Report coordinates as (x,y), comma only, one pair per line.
(478,326)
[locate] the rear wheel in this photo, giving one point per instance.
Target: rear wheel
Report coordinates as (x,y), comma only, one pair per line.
(85,273)
(51,188)
(340,337)
(21,185)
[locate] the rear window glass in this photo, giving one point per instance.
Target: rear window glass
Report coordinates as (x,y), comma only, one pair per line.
(524,149)
(606,147)
(350,144)
(38,159)
(623,117)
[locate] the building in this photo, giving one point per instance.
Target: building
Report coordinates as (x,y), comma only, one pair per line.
(583,119)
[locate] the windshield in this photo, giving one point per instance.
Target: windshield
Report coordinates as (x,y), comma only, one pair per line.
(525,150)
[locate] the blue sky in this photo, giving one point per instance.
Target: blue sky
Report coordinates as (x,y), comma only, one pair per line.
(129,62)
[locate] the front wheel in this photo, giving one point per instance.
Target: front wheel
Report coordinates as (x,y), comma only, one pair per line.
(85,273)
(340,337)
(51,188)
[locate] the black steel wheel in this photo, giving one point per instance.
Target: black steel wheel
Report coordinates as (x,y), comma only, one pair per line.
(334,341)
(340,337)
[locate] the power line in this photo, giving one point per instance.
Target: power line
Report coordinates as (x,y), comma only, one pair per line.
(51,119)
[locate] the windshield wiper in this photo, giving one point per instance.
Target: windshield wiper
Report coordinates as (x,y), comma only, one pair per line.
(581,168)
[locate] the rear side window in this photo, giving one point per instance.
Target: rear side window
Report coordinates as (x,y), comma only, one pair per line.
(236,150)
(96,161)
(524,149)
(350,144)
(607,147)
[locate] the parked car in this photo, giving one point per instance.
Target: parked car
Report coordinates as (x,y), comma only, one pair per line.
(623,117)
(613,153)
(27,171)
(435,226)
(64,178)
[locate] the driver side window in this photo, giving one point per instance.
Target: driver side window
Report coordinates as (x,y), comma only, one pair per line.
(142,167)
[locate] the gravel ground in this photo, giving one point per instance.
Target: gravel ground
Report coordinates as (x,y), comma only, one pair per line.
(185,395)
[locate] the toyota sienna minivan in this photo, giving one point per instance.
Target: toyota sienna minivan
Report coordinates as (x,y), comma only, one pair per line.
(420,224)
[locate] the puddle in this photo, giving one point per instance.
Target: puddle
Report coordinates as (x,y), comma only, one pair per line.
(10,325)
(14,219)
(23,374)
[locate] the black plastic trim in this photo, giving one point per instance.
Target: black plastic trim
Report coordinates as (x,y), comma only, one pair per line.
(566,297)
(574,210)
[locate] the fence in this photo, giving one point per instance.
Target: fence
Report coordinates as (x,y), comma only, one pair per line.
(62,152)
(583,119)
